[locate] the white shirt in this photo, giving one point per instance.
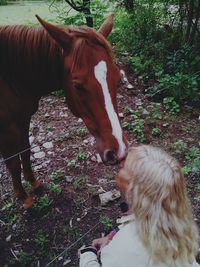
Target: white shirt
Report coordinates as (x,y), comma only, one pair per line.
(125,250)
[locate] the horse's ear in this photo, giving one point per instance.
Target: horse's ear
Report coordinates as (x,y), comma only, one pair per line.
(107,26)
(59,34)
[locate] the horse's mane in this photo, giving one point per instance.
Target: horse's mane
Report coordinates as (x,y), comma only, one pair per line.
(29,56)
(93,37)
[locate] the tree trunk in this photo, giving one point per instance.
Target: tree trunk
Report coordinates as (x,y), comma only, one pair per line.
(129,5)
(195,24)
(83,7)
(87,13)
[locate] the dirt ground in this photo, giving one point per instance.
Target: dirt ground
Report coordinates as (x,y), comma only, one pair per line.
(73,178)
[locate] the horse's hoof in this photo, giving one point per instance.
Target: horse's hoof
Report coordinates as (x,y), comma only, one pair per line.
(28,202)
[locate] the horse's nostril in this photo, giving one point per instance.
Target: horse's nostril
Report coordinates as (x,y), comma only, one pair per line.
(110,157)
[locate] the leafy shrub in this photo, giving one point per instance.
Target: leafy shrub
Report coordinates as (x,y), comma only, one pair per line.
(171,105)
(3,2)
(151,44)
(180,86)
(98,10)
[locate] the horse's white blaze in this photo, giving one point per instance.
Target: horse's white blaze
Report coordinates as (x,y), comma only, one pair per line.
(100,72)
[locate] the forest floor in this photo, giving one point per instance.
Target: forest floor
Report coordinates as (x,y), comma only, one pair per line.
(64,158)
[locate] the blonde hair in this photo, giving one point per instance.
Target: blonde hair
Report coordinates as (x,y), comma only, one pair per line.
(157,196)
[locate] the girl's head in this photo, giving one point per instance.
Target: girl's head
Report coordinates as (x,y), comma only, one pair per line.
(155,190)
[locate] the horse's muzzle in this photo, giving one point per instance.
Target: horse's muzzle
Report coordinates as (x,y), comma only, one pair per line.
(109,157)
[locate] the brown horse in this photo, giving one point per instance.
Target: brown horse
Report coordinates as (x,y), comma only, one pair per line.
(35,62)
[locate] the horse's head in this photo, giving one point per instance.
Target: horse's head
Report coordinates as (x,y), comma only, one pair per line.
(90,81)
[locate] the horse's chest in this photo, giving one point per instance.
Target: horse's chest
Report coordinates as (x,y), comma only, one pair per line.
(13,107)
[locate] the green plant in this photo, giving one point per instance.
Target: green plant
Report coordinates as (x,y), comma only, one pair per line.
(79,182)
(192,153)
(80,132)
(197,165)
(91,191)
(186,169)
(24,259)
(81,155)
(128,126)
(155,131)
(79,201)
(42,203)
(138,129)
(171,105)
(48,129)
(7,206)
(72,163)
(180,86)
(179,146)
(59,93)
(106,222)
(155,113)
(71,232)
(98,10)
(56,175)
(10,214)
(55,188)
(41,239)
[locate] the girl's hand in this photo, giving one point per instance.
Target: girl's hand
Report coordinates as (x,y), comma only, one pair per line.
(99,243)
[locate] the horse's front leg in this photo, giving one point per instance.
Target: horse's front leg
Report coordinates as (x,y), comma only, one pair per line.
(10,144)
(25,157)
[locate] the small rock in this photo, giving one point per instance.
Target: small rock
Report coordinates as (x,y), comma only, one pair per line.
(59,211)
(35,149)
(120,96)
(121,115)
(31,139)
(39,155)
(80,120)
(102,181)
(8,238)
(62,114)
(66,262)
(122,73)
(145,112)
(38,167)
(138,102)
(48,145)
(46,115)
(60,258)
(99,160)
(125,80)
(165,124)
(14,226)
(51,153)
(129,86)
(91,140)
(94,159)
(100,191)
(69,179)
(78,219)
(109,196)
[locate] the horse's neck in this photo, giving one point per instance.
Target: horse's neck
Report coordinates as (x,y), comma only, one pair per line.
(30,60)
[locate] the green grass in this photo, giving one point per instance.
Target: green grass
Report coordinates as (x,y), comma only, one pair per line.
(23,12)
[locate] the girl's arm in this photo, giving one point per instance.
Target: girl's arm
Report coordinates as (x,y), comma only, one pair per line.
(88,257)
